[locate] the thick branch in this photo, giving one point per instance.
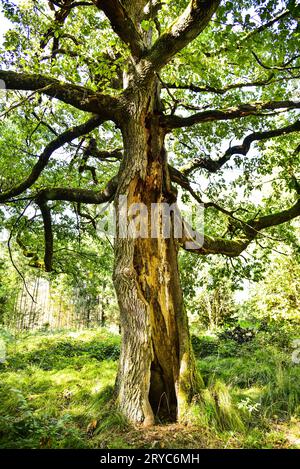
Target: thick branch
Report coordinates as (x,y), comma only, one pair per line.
(93,151)
(78,96)
(214,165)
(43,160)
(123,25)
(187,27)
(235,247)
(68,195)
(48,234)
(274,219)
(84,196)
(243,110)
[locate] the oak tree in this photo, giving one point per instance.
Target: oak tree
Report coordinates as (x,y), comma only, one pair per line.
(170,84)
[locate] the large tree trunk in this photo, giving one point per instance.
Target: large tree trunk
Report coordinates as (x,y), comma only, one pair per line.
(157,375)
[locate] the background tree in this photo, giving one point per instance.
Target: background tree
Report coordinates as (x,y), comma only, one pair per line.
(276,298)
(79,294)
(169,85)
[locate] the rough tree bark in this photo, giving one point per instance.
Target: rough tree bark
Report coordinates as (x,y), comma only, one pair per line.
(157,375)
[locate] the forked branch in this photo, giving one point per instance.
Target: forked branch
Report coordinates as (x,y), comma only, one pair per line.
(186,28)
(44,158)
(123,25)
(69,195)
(235,247)
(212,115)
(78,96)
(214,165)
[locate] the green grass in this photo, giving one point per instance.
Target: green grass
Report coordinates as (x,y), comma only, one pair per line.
(56,388)
(53,386)
(252,390)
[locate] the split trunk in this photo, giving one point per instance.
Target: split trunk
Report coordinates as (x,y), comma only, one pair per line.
(157,376)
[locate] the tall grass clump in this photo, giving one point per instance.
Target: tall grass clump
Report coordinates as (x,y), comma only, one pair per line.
(281,396)
(214,407)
